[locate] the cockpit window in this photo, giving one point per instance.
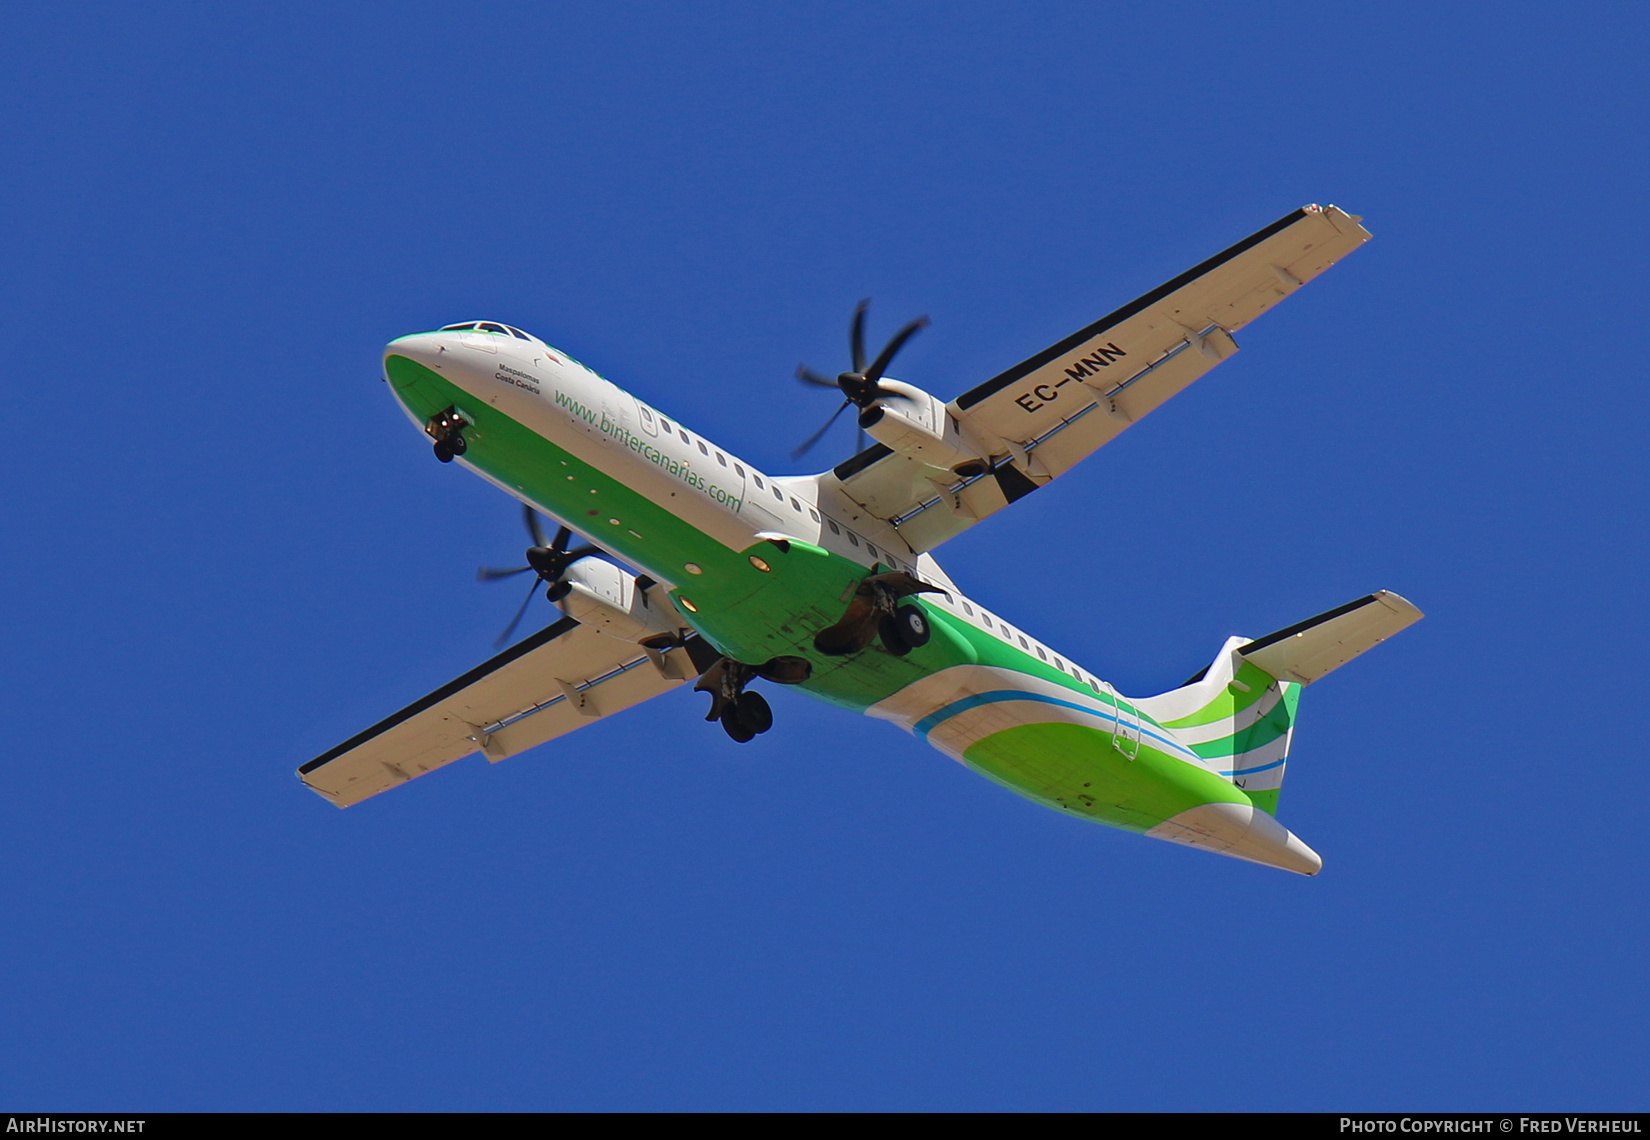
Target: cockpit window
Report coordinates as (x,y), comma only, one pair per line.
(485,326)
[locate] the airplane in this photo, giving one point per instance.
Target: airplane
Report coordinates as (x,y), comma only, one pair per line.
(827,583)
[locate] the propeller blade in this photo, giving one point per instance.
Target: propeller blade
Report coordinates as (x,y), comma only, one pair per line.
(493,573)
(515,621)
(809,376)
(562,535)
(874,373)
(860,441)
(856,336)
(533,527)
(799,452)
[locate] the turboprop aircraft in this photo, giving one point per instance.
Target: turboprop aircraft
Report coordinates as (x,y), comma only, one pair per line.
(827,582)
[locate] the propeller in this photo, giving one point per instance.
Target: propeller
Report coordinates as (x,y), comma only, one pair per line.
(862,386)
(548,560)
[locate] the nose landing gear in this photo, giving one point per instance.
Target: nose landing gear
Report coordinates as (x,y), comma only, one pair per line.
(447,429)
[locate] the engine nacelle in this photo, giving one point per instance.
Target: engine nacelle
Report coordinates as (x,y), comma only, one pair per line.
(911,422)
(607,599)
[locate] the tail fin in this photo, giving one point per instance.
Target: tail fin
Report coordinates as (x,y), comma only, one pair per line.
(1240,711)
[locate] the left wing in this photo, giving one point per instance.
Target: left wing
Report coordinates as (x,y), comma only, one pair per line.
(545,686)
(1040,418)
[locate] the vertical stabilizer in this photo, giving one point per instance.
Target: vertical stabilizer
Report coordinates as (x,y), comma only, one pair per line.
(1239,712)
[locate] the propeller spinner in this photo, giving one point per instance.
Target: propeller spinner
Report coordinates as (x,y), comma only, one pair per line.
(549,560)
(861,387)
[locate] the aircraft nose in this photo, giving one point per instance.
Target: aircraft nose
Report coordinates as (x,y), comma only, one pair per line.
(426,348)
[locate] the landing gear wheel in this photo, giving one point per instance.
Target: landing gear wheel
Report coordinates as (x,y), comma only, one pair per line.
(735,727)
(752,712)
(892,639)
(913,626)
(447,429)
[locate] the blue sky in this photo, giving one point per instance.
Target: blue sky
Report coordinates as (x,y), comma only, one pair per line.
(227,550)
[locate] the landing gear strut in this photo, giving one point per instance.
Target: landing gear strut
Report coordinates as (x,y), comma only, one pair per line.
(746,715)
(447,429)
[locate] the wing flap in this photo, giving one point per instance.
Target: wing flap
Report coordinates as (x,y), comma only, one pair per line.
(557,680)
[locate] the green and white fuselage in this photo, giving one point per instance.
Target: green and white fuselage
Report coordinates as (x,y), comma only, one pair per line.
(752,568)
(690,515)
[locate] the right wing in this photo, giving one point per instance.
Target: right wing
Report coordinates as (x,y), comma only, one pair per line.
(545,686)
(1040,418)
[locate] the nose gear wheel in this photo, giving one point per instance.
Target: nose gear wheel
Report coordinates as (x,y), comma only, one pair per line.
(447,429)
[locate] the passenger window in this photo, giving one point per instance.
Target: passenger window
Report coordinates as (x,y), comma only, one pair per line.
(853,539)
(1041,654)
(758,479)
(703,450)
(968,609)
(1024,644)
(813,514)
(834,528)
(796,506)
(778,494)
(1094,686)
(738,470)
(871,550)
(684,435)
(721,459)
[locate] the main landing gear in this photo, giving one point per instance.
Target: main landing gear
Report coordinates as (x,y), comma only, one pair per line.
(447,429)
(877,609)
(747,718)
(745,715)
(904,630)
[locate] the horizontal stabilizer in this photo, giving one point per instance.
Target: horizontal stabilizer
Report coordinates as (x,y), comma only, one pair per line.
(1317,646)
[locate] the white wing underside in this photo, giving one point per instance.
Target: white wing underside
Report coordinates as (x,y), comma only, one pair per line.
(1040,418)
(559,679)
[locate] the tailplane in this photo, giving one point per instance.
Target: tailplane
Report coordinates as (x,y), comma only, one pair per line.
(1239,711)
